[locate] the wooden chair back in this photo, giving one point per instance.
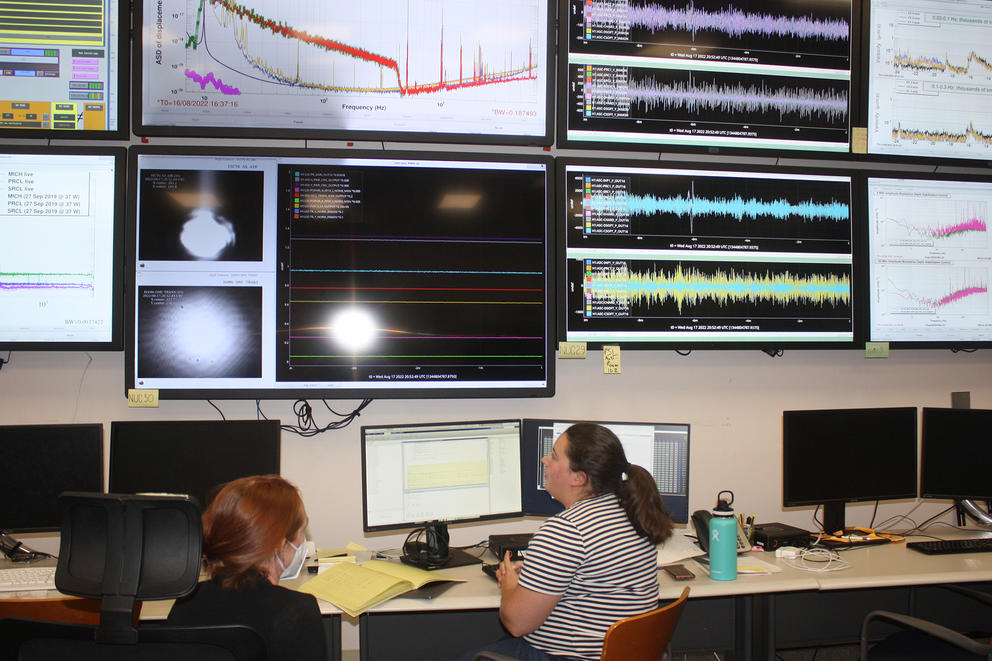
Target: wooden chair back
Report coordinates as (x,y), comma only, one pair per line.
(643,637)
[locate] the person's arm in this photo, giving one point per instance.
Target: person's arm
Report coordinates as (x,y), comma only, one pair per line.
(521,610)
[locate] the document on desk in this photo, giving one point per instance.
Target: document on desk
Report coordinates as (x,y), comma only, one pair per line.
(745,565)
(357,588)
(677,548)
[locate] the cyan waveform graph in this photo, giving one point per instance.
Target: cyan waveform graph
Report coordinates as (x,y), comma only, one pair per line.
(933,290)
(798,214)
(818,34)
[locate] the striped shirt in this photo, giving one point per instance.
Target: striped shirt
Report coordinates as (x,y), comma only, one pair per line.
(591,555)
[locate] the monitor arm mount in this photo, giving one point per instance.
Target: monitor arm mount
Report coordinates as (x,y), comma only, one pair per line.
(975,511)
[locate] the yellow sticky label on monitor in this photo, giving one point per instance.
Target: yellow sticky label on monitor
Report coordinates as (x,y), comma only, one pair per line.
(142,399)
(611,359)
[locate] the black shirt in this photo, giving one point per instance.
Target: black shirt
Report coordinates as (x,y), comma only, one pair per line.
(288,621)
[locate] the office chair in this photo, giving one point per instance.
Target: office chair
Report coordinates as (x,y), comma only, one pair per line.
(923,639)
(643,637)
(121,548)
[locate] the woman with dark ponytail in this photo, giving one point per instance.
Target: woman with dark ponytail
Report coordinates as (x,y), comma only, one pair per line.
(591,565)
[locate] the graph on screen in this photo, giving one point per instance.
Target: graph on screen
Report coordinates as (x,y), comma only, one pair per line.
(56,256)
(930,79)
(930,260)
(686,255)
(382,65)
(743,74)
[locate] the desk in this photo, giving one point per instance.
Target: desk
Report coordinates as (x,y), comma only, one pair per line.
(750,616)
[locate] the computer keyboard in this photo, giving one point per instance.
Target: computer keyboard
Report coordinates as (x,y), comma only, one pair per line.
(16,579)
(944,546)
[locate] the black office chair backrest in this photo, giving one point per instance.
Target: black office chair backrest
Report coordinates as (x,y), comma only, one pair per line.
(120,548)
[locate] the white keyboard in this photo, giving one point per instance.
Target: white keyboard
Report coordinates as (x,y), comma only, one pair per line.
(16,579)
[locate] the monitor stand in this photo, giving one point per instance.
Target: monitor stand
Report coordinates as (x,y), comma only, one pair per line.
(456,558)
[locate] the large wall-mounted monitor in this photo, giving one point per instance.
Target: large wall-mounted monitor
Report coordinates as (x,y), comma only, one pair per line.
(446,472)
(65,69)
(39,463)
(471,71)
(927,78)
(281,274)
(708,75)
(61,247)
(838,456)
(661,448)
(190,457)
(930,261)
(956,452)
(679,256)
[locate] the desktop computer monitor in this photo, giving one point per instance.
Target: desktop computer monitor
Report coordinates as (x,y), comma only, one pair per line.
(39,463)
(833,457)
(448,472)
(956,454)
(661,448)
(193,457)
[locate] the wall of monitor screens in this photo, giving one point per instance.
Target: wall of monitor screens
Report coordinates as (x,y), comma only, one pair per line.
(403,275)
(65,70)
(61,247)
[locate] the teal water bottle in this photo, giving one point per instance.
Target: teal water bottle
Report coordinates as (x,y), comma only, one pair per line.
(723,539)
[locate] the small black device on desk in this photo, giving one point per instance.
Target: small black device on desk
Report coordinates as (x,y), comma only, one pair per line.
(516,544)
(775,535)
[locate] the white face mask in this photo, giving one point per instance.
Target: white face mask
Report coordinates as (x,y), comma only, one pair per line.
(292,570)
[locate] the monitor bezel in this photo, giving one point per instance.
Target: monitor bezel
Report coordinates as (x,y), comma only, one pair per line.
(87,428)
(854,109)
(548,506)
(116,341)
(123,131)
(140,128)
(804,502)
(862,203)
(985,414)
(858,311)
(419,524)
(358,392)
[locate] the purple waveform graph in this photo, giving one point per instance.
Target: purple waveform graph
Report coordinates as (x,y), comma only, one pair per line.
(210,79)
(736,23)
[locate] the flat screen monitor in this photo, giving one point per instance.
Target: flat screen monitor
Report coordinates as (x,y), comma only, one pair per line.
(636,74)
(956,452)
(679,256)
(190,457)
(39,463)
(65,69)
(930,263)
(928,91)
(838,456)
(61,247)
(307,273)
(661,448)
(420,70)
(448,472)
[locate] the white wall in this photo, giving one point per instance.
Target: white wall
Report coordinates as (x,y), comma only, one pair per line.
(732,399)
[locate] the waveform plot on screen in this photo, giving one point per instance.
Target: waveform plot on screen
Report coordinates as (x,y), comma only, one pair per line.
(952,290)
(54,281)
(732,22)
(476,65)
(212,80)
(692,286)
(938,136)
(968,229)
(905,61)
(734,99)
(736,207)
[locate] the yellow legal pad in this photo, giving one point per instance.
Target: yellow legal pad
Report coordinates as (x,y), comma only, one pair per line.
(357,588)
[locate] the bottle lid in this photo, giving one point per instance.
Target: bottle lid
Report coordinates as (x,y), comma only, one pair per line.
(723,504)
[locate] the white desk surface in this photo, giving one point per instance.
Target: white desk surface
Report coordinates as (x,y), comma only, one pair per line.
(888,565)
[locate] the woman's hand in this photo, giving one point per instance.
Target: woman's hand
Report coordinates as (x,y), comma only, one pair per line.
(508,572)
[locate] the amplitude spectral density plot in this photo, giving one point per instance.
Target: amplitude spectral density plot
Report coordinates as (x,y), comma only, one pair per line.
(930,79)
(930,223)
(933,289)
(377,64)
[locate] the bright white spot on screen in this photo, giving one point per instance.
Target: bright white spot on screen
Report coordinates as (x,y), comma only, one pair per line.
(205,235)
(206,332)
(354,329)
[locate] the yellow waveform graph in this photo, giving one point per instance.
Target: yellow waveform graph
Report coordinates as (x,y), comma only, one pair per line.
(690,287)
(928,63)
